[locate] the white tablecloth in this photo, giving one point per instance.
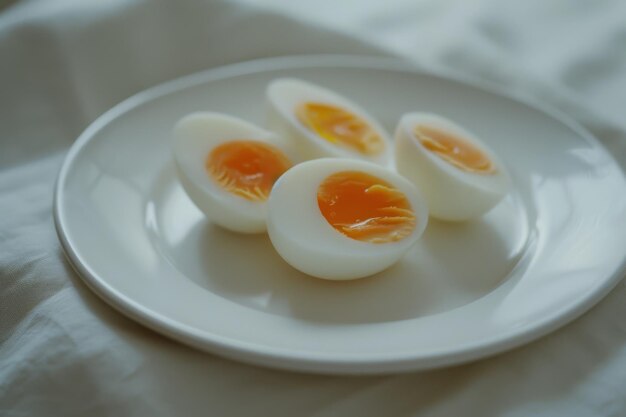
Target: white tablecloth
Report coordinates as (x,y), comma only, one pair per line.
(63,62)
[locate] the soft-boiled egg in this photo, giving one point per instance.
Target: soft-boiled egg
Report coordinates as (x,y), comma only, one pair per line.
(228,166)
(342,219)
(322,123)
(460,177)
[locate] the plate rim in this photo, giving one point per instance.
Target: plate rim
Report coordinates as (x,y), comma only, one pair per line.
(287,359)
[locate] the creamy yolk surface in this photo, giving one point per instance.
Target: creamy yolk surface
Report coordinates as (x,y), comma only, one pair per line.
(247,168)
(454,150)
(340,127)
(365,208)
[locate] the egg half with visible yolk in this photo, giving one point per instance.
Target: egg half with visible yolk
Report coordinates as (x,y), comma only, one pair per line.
(228,166)
(342,219)
(322,123)
(460,177)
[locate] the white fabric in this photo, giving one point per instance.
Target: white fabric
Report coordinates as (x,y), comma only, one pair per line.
(62,63)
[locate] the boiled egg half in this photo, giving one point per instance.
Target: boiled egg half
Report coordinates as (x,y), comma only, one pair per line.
(322,123)
(460,177)
(342,219)
(228,166)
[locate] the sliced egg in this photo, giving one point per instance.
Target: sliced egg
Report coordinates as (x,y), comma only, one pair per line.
(460,177)
(342,219)
(227,167)
(322,123)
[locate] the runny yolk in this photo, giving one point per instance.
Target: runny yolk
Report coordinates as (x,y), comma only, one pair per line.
(340,127)
(364,207)
(454,150)
(247,168)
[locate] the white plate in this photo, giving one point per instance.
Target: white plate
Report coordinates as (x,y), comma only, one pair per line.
(546,254)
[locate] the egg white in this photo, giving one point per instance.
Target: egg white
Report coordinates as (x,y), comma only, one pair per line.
(286,94)
(452,194)
(194,136)
(304,238)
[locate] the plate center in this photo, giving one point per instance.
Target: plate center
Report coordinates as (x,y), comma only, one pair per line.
(452,265)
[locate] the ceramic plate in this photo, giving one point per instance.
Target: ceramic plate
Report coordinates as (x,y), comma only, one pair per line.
(540,258)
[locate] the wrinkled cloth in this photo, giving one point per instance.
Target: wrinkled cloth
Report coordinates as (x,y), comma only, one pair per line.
(64,352)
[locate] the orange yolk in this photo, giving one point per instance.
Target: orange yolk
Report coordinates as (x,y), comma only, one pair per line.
(340,127)
(247,168)
(364,207)
(454,150)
